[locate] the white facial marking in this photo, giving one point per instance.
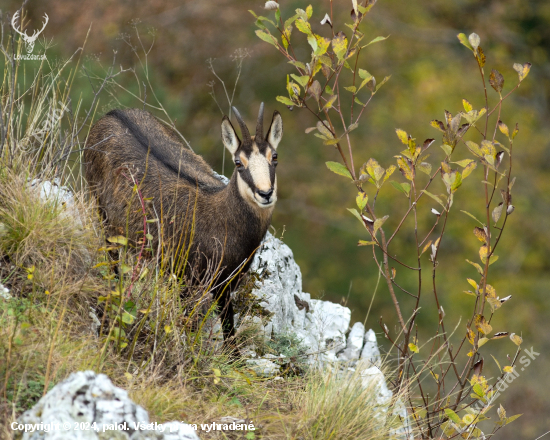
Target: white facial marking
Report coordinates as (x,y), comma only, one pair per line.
(259,170)
(258,166)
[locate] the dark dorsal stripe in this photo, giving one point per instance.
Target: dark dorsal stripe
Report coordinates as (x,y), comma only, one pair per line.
(148,144)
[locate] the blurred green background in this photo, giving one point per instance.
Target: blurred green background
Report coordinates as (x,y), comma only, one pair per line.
(431,72)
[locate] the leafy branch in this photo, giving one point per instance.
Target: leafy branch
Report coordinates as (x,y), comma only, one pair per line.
(332,77)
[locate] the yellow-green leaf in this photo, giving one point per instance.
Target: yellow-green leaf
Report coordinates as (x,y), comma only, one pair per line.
(512,418)
(379,222)
(338,168)
(477,266)
(124,268)
(330,102)
(468,169)
(464,40)
(403,187)
(118,239)
(340,45)
(267,37)
(402,135)
(522,71)
(482,325)
(433,196)
(375,40)
(365,243)
(381,83)
(482,342)
(303,26)
(286,36)
(516,339)
(361,200)
(405,169)
(503,128)
(438,125)
(474,148)
(285,100)
(425,167)
(322,46)
(453,416)
(470,335)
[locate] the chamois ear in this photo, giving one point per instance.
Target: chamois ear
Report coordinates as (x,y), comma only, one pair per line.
(229,137)
(275,132)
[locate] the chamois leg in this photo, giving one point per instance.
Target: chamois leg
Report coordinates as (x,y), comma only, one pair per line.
(104,219)
(227,319)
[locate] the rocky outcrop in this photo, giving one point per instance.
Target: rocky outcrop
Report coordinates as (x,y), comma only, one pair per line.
(322,326)
(87,406)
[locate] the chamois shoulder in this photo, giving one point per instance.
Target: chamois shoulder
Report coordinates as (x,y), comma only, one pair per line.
(139,132)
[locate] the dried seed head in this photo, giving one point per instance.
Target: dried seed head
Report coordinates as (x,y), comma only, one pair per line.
(510,209)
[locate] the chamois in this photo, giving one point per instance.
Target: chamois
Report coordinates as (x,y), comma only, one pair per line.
(201,220)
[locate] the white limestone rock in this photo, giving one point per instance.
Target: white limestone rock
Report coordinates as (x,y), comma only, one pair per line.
(264,367)
(354,343)
(373,376)
(320,325)
(53,190)
(371,352)
(4,292)
(89,401)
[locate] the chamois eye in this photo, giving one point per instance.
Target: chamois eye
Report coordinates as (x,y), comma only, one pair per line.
(274,158)
(238,163)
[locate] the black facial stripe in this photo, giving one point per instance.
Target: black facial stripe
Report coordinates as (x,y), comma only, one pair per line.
(247,177)
(272,174)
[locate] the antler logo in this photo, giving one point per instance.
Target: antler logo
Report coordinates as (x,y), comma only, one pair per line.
(29,41)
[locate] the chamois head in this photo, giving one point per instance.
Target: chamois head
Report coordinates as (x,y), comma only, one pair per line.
(255,157)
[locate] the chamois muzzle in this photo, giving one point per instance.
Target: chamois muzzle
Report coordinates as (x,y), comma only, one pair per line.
(266,195)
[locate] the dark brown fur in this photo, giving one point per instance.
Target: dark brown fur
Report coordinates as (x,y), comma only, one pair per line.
(133,144)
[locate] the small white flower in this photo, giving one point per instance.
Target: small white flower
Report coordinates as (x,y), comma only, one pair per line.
(271,5)
(510,209)
(326,19)
(434,211)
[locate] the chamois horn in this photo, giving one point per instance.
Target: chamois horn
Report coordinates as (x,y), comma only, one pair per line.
(244,128)
(260,124)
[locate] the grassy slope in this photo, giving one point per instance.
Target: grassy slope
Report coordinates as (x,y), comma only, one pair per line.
(151,340)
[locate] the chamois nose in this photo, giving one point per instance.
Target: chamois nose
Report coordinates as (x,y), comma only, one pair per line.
(265,194)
